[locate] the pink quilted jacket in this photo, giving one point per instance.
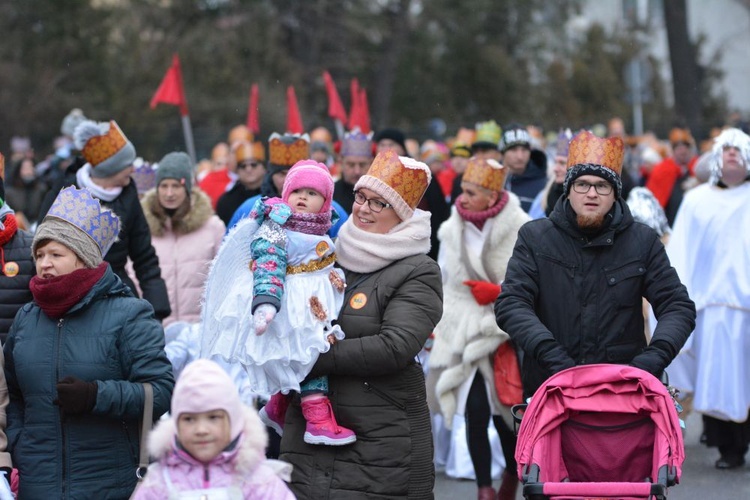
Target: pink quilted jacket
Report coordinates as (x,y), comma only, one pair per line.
(245,468)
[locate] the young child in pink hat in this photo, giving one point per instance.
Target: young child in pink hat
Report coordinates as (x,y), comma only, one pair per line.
(294,295)
(212,446)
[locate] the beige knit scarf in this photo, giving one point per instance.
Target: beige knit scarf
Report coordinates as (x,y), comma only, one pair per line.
(364,252)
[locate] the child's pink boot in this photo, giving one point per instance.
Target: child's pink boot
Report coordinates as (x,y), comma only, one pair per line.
(321,424)
(274,412)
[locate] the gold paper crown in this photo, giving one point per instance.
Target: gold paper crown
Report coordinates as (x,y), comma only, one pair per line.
(321,134)
(240,133)
(677,135)
(247,151)
(408,182)
(102,147)
(585,148)
(281,153)
(487,173)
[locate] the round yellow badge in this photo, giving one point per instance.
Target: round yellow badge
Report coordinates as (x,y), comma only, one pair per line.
(358,301)
(10,269)
(321,248)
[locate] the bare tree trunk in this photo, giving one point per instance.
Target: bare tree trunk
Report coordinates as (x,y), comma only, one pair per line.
(686,80)
(393,46)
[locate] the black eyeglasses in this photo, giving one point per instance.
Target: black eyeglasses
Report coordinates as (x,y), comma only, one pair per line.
(583,187)
(252,164)
(376,206)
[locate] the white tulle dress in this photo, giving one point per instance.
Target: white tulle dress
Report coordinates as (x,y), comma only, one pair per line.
(283,356)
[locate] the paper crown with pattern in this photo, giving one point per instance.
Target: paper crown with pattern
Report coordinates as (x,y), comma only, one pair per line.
(400,180)
(681,135)
(585,147)
(77,207)
(355,143)
(249,151)
(144,175)
(592,155)
(487,135)
(104,146)
(563,142)
(487,173)
(286,150)
(240,133)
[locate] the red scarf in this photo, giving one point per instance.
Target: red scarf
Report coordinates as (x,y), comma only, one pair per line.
(11,226)
(479,218)
(58,294)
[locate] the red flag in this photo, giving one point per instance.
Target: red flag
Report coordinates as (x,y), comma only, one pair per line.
(364,112)
(335,106)
(171,90)
(253,121)
(355,110)
(293,118)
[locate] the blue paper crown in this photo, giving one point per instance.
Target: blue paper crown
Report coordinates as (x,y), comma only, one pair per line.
(356,143)
(144,175)
(79,208)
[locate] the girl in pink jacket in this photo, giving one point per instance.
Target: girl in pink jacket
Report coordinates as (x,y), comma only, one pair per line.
(212,446)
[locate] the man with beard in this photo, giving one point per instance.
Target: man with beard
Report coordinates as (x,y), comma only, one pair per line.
(573,290)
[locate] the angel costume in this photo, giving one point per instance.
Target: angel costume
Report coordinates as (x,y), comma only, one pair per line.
(279,257)
(709,250)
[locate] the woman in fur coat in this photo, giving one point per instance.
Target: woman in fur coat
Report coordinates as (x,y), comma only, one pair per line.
(476,244)
(185,233)
(212,445)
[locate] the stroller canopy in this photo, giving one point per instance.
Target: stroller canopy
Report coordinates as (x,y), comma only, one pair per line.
(623,404)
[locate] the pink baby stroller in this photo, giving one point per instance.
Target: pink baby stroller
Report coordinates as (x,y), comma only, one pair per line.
(600,432)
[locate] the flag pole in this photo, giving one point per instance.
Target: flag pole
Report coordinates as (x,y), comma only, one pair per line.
(339,128)
(187,131)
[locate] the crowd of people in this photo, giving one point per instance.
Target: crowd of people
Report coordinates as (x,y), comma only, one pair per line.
(310,318)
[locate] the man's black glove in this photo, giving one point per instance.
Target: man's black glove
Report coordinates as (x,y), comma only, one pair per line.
(74,396)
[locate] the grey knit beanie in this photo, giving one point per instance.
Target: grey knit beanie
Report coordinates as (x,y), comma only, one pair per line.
(178,166)
(72,237)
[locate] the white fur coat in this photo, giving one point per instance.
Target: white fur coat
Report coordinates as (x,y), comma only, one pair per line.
(468,336)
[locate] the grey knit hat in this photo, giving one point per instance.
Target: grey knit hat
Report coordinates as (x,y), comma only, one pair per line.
(71,236)
(177,165)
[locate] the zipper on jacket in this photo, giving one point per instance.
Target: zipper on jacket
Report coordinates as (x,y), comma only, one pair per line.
(370,388)
(62,423)
(206,477)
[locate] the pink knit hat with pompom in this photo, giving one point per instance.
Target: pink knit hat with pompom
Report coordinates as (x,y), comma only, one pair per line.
(309,174)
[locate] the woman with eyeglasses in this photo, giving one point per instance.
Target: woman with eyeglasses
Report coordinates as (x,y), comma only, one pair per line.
(250,173)
(392,302)
(185,232)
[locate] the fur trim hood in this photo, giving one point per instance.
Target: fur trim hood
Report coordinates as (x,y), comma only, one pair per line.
(251,450)
(191,216)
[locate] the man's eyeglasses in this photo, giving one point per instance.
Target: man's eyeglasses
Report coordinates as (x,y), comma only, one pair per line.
(376,206)
(251,164)
(602,188)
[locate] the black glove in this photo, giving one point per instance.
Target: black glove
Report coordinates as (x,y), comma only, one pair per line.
(74,396)
(655,358)
(553,357)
